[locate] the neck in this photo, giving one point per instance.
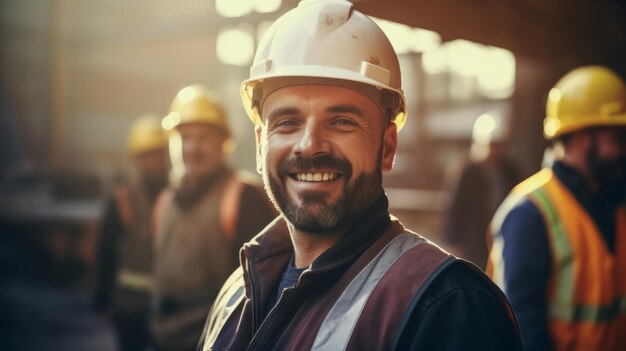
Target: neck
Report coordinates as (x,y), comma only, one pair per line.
(309,246)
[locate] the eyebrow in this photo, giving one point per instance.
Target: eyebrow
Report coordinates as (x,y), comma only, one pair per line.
(281,111)
(346,108)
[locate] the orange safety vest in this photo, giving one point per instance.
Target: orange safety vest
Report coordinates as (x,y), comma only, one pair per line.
(586,293)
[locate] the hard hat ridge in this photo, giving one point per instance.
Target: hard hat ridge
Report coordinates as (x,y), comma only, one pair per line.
(328,43)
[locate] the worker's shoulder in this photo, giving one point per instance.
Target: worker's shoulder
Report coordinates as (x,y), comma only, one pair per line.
(461,304)
(441,273)
(427,266)
(459,276)
(459,284)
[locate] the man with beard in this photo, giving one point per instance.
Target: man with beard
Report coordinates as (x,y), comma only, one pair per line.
(335,271)
(559,239)
(125,246)
(201,222)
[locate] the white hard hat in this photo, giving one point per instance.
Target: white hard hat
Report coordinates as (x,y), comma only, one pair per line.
(326,42)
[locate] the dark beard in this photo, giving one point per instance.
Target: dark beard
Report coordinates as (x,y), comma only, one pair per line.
(315,215)
(608,173)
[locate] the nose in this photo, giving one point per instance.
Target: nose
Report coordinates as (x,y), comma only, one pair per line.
(314,140)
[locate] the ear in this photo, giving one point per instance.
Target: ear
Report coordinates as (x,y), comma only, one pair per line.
(258,131)
(390,145)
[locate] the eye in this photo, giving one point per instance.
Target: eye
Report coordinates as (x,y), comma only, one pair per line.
(285,124)
(344,122)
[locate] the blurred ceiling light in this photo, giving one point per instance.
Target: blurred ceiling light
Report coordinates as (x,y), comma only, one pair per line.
(233,8)
(464,57)
(436,61)
(484,127)
(497,75)
(407,39)
(235,45)
(266,6)
(240,8)
(493,68)
(425,40)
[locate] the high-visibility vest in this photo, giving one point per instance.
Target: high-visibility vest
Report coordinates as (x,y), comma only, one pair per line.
(349,323)
(586,293)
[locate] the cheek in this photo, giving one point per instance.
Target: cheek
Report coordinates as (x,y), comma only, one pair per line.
(188,146)
(362,154)
(274,150)
(609,149)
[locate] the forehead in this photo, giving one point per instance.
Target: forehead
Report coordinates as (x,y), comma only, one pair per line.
(305,97)
(197,129)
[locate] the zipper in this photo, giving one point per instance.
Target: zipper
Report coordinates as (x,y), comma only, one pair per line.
(255,296)
(284,301)
(268,323)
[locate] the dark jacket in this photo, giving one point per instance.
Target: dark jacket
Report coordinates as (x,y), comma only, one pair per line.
(424,299)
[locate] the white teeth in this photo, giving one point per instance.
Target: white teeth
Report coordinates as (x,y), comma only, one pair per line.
(316,177)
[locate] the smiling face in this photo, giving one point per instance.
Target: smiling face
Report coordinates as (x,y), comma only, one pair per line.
(321,152)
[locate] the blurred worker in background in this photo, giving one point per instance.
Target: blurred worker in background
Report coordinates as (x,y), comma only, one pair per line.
(126,247)
(335,271)
(484,181)
(202,221)
(559,239)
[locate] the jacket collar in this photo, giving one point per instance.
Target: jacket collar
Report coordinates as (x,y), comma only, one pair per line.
(275,240)
(265,257)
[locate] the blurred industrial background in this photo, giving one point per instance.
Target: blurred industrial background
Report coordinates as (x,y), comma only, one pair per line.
(77,73)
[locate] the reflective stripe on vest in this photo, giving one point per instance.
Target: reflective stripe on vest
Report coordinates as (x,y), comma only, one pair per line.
(335,331)
(586,293)
(563,307)
(563,252)
(226,308)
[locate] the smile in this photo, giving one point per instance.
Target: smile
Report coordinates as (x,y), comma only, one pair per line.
(316,177)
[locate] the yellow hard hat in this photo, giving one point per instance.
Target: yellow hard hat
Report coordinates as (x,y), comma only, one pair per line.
(328,43)
(146,135)
(197,104)
(590,96)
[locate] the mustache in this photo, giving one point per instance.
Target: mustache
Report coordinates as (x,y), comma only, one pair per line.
(300,164)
